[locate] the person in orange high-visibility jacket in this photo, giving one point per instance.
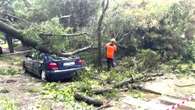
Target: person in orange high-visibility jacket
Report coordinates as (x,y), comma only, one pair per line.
(111,49)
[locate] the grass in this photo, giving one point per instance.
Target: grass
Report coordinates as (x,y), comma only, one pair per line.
(42,105)
(9,71)
(7,104)
(12,60)
(10,65)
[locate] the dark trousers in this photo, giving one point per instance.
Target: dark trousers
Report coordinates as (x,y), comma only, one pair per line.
(110,63)
(1,50)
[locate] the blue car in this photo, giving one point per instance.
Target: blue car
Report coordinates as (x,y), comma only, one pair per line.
(51,67)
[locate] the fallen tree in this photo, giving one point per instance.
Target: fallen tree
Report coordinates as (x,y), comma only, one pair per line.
(102,90)
(89,100)
(131,81)
(14,33)
(136,79)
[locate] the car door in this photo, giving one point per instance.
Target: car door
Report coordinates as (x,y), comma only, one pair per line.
(37,63)
(37,67)
(29,63)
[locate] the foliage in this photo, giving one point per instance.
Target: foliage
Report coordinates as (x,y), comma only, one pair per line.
(136,93)
(184,68)
(58,92)
(43,105)
(65,94)
(137,24)
(190,51)
(56,41)
(7,104)
(7,68)
(148,59)
(9,71)
(151,25)
(16,60)
(155,31)
(1,36)
(145,61)
(48,27)
(42,10)
(86,82)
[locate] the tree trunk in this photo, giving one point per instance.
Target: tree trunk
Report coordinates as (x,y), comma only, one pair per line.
(136,79)
(88,100)
(1,51)
(99,28)
(10,43)
(102,90)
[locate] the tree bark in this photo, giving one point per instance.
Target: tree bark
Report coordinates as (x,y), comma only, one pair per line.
(102,90)
(133,80)
(10,43)
(14,33)
(99,28)
(89,100)
(1,51)
(4,20)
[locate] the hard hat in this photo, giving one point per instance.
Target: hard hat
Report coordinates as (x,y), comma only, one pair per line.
(113,40)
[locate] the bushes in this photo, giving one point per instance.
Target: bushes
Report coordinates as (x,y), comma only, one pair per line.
(190,51)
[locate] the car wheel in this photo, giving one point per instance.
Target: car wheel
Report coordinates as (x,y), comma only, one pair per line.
(43,75)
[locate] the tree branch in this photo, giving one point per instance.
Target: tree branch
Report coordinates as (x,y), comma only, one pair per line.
(77,51)
(14,33)
(89,100)
(131,81)
(123,37)
(63,35)
(15,17)
(4,20)
(65,16)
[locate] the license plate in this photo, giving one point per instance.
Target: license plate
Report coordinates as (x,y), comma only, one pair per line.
(69,64)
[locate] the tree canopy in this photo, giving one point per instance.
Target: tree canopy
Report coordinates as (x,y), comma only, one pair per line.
(162,26)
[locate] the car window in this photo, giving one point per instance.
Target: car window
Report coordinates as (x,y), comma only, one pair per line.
(36,55)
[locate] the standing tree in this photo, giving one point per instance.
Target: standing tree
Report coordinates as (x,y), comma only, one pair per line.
(105,4)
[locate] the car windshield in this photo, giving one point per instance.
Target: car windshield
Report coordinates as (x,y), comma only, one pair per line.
(39,55)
